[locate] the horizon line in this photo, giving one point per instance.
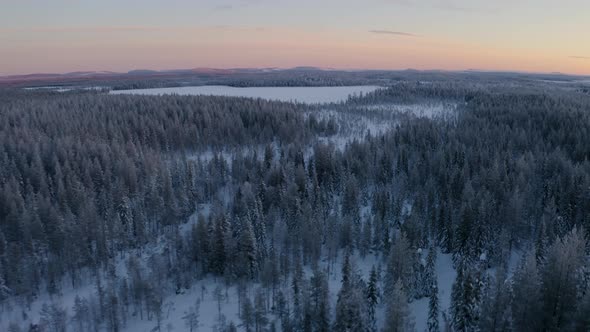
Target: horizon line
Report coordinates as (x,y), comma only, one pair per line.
(319,68)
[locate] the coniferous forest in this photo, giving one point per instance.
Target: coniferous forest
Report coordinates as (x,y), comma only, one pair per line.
(450,205)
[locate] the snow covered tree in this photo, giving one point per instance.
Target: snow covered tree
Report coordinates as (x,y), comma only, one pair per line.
(14,327)
(350,313)
(399,317)
(561,277)
(366,237)
(297,289)
(319,301)
(496,314)
(433,308)
(191,317)
(526,295)
(541,244)
(218,245)
(466,300)
(200,242)
(428,275)
(247,314)
(342,306)
(373,295)
(53,318)
(260,318)
(282,311)
(81,314)
(247,262)
(400,266)
(582,320)
(112,312)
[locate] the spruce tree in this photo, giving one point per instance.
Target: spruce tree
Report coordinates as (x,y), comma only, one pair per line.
(260,319)
(247,314)
(372,299)
(466,299)
(399,318)
(400,265)
(526,296)
(351,301)
(320,305)
(191,317)
(561,276)
(433,308)
(496,314)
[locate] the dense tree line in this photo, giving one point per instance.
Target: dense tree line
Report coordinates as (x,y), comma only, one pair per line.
(91,174)
(509,172)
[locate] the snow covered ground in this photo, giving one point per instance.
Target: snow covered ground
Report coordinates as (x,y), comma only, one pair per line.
(176,305)
(446,275)
(310,95)
(427,110)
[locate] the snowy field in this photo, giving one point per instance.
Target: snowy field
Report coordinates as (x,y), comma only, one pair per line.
(352,126)
(432,110)
(309,95)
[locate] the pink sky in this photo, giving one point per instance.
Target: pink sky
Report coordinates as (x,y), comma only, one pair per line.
(79,35)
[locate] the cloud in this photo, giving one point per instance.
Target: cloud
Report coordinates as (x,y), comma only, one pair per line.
(580,57)
(396,33)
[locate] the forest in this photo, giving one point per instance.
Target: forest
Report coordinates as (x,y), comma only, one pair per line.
(199,213)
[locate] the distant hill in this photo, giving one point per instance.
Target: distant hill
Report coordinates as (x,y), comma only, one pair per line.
(202,75)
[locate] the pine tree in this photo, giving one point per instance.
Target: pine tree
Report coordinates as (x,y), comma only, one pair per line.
(399,317)
(561,278)
(112,312)
(463,245)
(247,314)
(282,310)
(191,317)
(433,308)
(526,297)
(81,316)
(351,300)
(465,300)
(496,314)
(366,238)
(218,245)
(429,274)
(260,319)
(53,318)
(457,302)
(14,327)
(320,305)
(431,266)
(372,299)
(342,305)
(248,251)
(201,244)
(297,291)
(219,296)
(400,265)
(541,245)
(582,320)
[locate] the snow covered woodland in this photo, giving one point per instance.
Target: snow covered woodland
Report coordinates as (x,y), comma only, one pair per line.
(452,205)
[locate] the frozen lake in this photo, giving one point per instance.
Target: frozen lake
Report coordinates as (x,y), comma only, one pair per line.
(309,95)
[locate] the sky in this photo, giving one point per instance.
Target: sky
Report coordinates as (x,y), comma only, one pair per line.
(59,36)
